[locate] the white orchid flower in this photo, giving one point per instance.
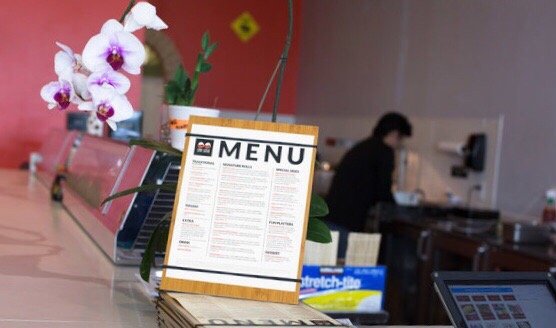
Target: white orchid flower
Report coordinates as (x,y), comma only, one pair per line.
(143,14)
(68,66)
(79,81)
(58,94)
(109,77)
(116,48)
(66,62)
(110,106)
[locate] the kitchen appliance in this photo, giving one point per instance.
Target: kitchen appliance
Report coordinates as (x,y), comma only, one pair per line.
(525,233)
(473,152)
(470,221)
(408,198)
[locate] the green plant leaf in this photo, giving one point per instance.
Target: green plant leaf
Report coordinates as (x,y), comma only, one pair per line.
(205,40)
(173,86)
(210,49)
(172,91)
(157,243)
(187,89)
(200,61)
(205,67)
(156,145)
(169,186)
(318,231)
(180,76)
(318,207)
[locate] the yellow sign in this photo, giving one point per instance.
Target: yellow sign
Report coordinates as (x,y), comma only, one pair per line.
(245,26)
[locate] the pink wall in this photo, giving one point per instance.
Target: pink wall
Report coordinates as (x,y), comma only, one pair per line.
(240,70)
(28,31)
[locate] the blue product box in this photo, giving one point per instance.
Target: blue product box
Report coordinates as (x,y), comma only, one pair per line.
(349,288)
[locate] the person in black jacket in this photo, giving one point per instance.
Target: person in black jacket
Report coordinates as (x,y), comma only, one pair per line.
(364,176)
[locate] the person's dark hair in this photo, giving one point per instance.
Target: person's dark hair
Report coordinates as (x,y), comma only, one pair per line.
(392,122)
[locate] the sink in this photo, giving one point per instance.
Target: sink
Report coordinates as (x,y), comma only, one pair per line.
(437,211)
(474,213)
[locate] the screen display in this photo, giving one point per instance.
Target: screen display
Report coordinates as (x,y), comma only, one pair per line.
(505,305)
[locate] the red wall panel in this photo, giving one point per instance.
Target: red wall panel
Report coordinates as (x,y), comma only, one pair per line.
(240,70)
(28,30)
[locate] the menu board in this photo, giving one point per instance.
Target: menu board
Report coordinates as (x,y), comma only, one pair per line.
(241,210)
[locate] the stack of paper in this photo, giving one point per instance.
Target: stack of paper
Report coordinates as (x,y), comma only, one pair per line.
(362,249)
(322,254)
(176,310)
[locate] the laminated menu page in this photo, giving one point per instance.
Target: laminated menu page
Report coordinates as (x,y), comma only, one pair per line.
(189,310)
(242,204)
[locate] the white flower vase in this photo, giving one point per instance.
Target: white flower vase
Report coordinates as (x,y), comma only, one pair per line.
(178,117)
(95,127)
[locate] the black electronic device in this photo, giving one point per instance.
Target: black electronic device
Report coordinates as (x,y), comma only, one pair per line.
(498,299)
(77,121)
(474,152)
(132,128)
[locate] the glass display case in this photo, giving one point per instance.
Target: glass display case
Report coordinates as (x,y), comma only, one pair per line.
(54,153)
(102,167)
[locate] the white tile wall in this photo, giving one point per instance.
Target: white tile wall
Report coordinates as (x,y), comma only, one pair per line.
(428,168)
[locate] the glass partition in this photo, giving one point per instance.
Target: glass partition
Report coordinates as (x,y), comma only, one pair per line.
(95,169)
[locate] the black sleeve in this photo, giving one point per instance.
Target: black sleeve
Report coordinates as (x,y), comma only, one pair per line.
(384,171)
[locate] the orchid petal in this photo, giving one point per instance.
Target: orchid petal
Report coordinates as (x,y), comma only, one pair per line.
(111,27)
(130,24)
(143,14)
(157,24)
(134,70)
(80,85)
(66,84)
(49,90)
(133,52)
(110,77)
(63,64)
(80,66)
(112,124)
(122,108)
(94,53)
(65,48)
(102,94)
(58,94)
(86,106)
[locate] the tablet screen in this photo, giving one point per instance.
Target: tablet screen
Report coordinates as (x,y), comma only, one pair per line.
(505,305)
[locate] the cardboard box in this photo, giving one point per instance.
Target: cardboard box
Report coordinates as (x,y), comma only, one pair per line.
(349,288)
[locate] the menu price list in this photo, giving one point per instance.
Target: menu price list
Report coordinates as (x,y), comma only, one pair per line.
(242,213)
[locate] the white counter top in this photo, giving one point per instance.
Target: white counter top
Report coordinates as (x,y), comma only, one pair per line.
(51,274)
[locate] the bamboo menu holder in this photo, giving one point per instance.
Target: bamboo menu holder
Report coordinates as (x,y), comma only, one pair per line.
(241,210)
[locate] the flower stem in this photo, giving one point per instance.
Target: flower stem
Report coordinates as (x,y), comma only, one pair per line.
(283,61)
(129,6)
